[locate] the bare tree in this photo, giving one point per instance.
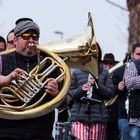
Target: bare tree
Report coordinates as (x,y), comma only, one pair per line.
(134,22)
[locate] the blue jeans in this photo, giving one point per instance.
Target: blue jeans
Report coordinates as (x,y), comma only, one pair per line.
(124,129)
(134,133)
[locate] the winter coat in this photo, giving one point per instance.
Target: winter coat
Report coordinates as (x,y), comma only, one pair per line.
(97,110)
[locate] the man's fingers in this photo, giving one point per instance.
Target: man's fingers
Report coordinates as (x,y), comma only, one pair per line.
(19,71)
(52,87)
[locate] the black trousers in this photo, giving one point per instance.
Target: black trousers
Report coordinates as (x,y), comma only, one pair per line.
(112,132)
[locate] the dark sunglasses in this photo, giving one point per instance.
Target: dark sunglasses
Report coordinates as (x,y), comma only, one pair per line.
(110,63)
(27,36)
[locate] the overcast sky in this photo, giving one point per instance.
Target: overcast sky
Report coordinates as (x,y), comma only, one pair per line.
(70,17)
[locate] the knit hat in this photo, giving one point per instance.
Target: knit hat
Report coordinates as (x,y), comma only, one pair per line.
(24,26)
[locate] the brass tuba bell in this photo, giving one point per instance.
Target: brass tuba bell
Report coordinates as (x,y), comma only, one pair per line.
(77,47)
(24,98)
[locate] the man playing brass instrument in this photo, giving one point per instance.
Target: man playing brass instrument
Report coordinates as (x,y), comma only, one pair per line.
(112,127)
(26,38)
(89,115)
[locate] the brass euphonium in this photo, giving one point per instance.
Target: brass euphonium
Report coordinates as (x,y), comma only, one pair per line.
(23,99)
(115,97)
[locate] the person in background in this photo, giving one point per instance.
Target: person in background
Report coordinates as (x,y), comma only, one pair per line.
(2,44)
(132,81)
(89,115)
(112,126)
(10,40)
(109,61)
(11,36)
(25,57)
(122,93)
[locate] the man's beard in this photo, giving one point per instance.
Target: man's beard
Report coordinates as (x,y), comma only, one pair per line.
(29,53)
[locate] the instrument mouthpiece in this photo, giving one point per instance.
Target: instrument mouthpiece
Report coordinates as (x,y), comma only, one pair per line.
(31,45)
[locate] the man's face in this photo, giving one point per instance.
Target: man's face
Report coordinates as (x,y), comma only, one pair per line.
(136,54)
(24,40)
(10,41)
(108,65)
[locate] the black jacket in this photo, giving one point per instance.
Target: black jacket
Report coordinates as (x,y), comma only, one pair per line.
(98,111)
(117,77)
(43,124)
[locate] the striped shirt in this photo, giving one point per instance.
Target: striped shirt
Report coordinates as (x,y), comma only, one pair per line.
(132,82)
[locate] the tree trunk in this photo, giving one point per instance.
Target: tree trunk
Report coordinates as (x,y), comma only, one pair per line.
(134,22)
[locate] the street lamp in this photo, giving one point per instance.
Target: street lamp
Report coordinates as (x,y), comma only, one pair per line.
(59,33)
